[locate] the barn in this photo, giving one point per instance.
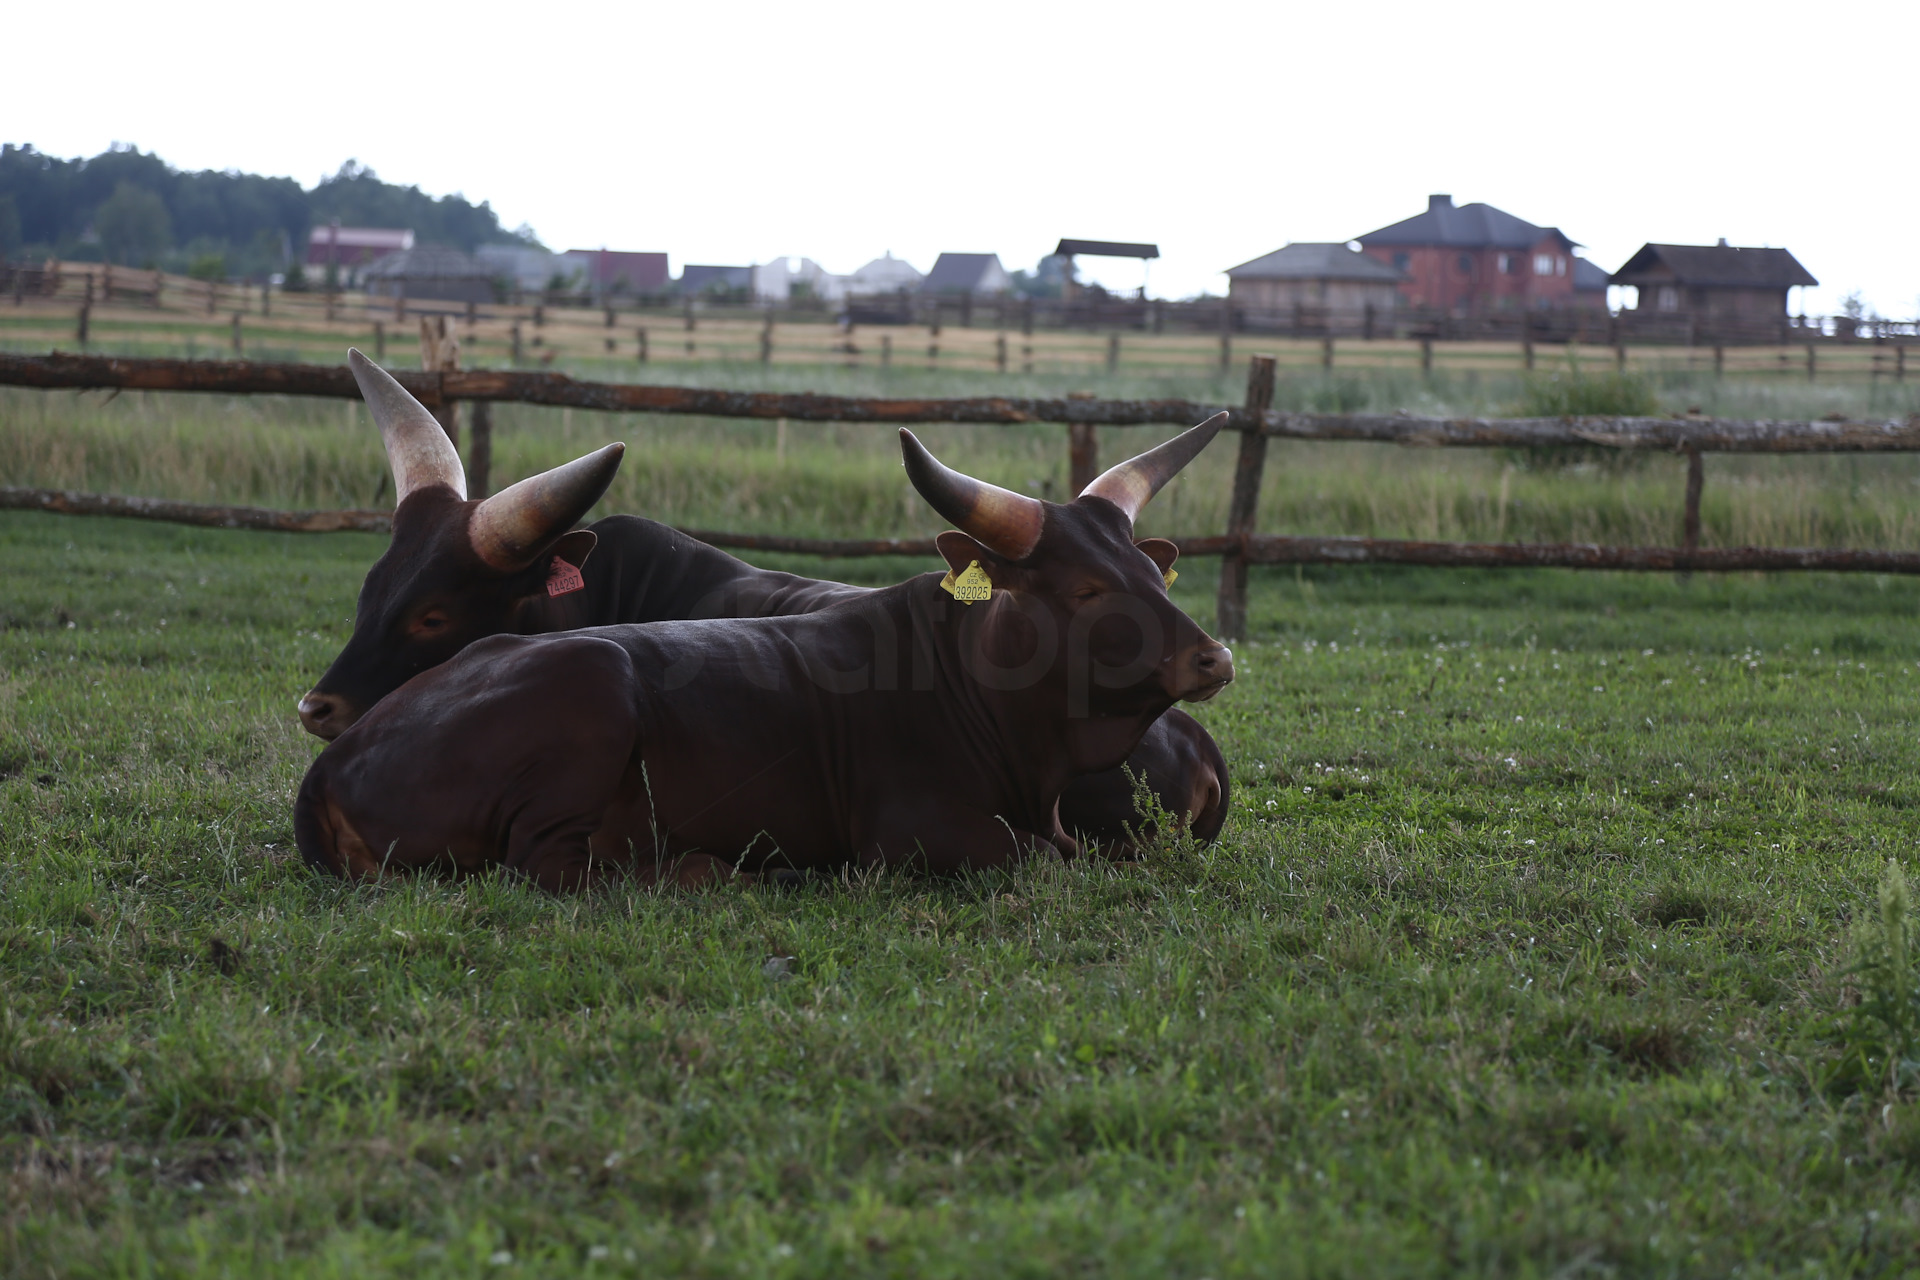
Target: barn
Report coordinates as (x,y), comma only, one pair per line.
(1312,284)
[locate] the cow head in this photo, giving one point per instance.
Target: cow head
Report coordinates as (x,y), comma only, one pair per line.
(456,570)
(1077,605)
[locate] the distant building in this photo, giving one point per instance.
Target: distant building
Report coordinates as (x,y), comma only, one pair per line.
(1590,283)
(701,281)
(351,249)
(885,274)
(617,271)
(1474,258)
(431,273)
(1317,282)
(519,266)
(979,274)
(1713,282)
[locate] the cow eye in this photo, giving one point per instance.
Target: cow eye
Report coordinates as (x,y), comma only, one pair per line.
(433,622)
(1085,594)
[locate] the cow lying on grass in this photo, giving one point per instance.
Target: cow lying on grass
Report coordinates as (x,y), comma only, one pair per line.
(458,571)
(903,727)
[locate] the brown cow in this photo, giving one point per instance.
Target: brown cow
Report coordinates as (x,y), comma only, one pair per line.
(459,570)
(905,727)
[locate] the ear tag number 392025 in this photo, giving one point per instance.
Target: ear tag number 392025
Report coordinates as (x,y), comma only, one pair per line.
(563,578)
(971,585)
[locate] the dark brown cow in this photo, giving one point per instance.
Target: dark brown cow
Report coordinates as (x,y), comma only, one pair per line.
(458,570)
(903,727)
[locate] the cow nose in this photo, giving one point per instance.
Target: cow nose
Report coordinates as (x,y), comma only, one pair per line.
(325,715)
(1213,668)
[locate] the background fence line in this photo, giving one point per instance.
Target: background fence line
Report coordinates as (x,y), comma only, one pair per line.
(1238,547)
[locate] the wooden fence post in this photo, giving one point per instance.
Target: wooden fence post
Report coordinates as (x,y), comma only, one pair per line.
(766,339)
(640,339)
(1719,360)
(86,306)
(1083,457)
(236,333)
(886,351)
(1366,324)
(1426,357)
(480,448)
(1230,608)
(609,316)
(1026,319)
(473,314)
(380,340)
(1326,353)
(440,353)
(399,304)
(1810,362)
(515,357)
(1000,351)
(213,297)
(1113,352)
(1690,519)
(266,297)
(1900,363)
(1619,357)
(1226,335)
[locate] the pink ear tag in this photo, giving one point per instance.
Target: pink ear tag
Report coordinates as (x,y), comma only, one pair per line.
(563,578)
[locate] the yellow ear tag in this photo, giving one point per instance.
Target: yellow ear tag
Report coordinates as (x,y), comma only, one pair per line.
(1169,576)
(972,584)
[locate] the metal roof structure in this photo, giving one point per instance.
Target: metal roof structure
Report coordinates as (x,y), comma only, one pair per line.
(1467,226)
(1313,260)
(1721,266)
(1107,249)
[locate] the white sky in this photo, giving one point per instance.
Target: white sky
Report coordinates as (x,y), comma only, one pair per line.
(739,132)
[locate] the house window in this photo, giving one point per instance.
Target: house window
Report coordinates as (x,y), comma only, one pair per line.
(1506,264)
(1465,263)
(1543,264)
(1400,261)
(1559,266)
(1668,298)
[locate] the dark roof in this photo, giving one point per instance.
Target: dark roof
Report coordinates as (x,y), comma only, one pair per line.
(428,262)
(1108,249)
(1315,261)
(958,271)
(1467,226)
(1722,266)
(1589,276)
(699,279)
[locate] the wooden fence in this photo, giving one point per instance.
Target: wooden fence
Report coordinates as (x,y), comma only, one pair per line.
(1255,420)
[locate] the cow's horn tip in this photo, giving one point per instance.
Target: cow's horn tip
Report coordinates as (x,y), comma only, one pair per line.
(354,356)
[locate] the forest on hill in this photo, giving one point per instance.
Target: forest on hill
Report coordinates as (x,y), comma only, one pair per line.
(131,207)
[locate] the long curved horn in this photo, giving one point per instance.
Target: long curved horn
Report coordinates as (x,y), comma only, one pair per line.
(512,527)
(417,447)
(1006,523)
(1132,484)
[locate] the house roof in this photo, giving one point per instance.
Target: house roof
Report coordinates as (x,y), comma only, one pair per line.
(428,262)
(960,271)
(1310,260)
(385,238)
(1467,226)
(1107,249)
(1589,277)
(1722,266)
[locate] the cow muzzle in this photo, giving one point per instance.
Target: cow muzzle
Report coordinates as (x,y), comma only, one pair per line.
(1202,672)
(326,715)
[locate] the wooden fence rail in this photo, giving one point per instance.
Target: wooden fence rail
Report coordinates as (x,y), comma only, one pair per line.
(1238,547)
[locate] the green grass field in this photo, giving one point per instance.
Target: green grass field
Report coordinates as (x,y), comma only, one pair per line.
(1528,948)
(1519,956)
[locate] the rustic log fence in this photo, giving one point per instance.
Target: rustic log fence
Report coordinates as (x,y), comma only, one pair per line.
(1240,546)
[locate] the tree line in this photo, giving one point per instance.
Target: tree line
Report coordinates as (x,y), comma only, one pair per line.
(132,208)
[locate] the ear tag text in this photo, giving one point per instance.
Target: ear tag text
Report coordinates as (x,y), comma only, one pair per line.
(1169,576)
(972,584)
(563,578)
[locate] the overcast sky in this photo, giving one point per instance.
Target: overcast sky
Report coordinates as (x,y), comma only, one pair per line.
(740,132)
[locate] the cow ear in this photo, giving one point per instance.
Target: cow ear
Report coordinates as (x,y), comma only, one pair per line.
(959,551)
(1159,550)
(575,547)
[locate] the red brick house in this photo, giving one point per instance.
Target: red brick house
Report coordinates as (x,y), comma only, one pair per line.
(1472,259)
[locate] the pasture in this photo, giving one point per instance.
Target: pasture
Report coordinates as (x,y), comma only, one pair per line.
(1525,950)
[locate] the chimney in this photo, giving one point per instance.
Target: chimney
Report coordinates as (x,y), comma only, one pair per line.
(1439,202)
(1724,244)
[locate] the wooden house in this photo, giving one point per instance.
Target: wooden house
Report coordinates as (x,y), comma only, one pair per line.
(1716,284)
(1313,284)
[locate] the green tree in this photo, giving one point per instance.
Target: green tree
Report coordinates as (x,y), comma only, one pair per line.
(133,225)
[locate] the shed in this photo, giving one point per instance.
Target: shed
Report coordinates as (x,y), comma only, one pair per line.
(432,272)
(1322,282)
(1719,282)
(979,274)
